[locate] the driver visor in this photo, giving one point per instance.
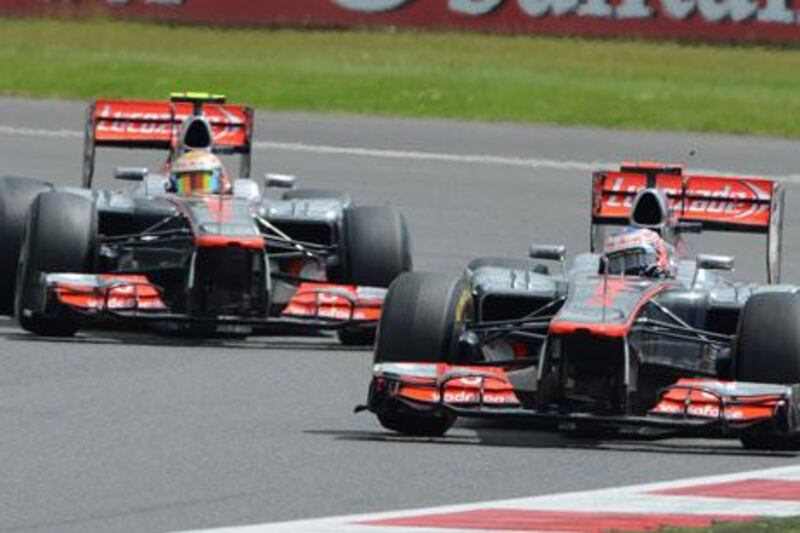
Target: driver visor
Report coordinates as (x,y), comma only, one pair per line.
(634,261)
(198,182)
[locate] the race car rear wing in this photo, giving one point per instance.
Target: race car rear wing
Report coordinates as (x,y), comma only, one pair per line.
(718,203)
(158,125)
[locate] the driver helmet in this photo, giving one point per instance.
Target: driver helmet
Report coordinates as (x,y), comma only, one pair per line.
(639,252)
(199,172)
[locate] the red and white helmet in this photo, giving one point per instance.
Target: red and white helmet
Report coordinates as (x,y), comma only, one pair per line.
(639,252)
(199,172)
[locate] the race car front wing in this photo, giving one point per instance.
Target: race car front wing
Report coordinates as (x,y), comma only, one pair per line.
(689,407)
(314,305)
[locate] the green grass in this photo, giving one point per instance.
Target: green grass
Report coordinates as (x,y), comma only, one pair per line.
(772,525)
(628,84)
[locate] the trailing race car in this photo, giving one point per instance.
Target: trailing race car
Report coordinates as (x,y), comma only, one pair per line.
(188,248)
(635,337)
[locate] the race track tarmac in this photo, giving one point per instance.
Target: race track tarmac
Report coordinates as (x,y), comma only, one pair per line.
(120,431)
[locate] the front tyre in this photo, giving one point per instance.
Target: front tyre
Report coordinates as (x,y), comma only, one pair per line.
(768,439)
(423,316)
(59,237)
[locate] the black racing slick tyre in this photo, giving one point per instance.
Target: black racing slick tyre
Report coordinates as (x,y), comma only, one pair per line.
(768,439)
(768,339)
(377,249)
(377,245)
(406,421)
(16,197)
(356,336)
(767,350)
(317,194)
(422,318)
(59,237)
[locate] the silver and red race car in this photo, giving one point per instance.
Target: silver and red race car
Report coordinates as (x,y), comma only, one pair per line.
(235,261)
(635,337)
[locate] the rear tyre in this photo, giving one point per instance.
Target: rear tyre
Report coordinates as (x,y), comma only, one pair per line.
(59,237)
(768,339)
(768,351)
(377,249)
(16,197)
(377,245)
(317,194)
(421,321)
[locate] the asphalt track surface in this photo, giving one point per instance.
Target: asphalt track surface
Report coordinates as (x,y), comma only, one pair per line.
(119,431)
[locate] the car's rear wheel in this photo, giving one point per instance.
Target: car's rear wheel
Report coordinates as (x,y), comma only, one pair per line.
(767,350)
(16,197)
(59,237)
(377,249)
(422,318)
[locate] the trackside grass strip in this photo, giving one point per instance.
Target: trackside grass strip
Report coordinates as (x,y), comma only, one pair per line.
(771,525)
(632,85)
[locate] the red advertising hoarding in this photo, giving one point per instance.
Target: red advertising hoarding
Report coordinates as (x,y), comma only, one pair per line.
(776,21)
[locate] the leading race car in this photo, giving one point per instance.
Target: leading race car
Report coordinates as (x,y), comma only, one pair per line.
(636,337)
(187,248)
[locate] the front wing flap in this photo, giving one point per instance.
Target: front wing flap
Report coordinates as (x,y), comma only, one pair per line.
(731,401)
(433,386)
(98,293)
(349,303)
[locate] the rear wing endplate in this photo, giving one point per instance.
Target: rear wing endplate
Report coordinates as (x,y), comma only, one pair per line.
(715,203)
(157,125)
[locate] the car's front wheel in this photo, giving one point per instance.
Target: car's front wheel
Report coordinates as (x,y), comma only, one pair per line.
(423,316)
(59,237)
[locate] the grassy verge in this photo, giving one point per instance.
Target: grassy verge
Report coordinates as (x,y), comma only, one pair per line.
(772,525)
(566,81)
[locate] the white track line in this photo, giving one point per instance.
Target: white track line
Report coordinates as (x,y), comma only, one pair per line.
(408,155)
(483,159)
(37,132)
(629,499)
